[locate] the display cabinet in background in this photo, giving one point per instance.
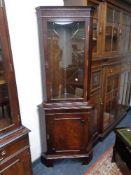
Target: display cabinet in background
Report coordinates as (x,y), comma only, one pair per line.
(14,142)
(111,58)
(65,42)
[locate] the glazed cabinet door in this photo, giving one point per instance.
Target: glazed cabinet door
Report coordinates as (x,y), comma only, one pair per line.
(68,133)
(116,93)
(19,165)
(9,107)
(109,105)
(112,30)
(97,29)
(111,94)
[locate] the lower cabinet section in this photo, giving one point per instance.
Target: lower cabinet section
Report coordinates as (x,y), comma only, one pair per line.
(68,134)
(15,154)
(18,165)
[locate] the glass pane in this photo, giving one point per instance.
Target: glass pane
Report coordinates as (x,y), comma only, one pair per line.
(127,101)
(114,105)
(122,91)
(115,38)
(123,38)
(110,85)
(116,82)
(116,16)
(127,39)
(95,30)
(126,33)
(107,114)
(125,90)
(5,116)
(95,37)
(66,44)
(129,45)
(109,29)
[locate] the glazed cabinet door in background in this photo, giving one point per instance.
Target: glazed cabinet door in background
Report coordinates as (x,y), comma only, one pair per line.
(68,133)
(9,107)
(14,159)
(111,29)
(116,94)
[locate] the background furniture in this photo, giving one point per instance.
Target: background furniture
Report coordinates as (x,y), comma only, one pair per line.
(14,142)
(111,62)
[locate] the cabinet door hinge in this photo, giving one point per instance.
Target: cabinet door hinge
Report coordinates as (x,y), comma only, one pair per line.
(1,3)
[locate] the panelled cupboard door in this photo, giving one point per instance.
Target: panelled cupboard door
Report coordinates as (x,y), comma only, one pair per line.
(19,165)
(67,132)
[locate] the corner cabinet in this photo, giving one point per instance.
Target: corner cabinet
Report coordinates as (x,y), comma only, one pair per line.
(65,44)
(14,143)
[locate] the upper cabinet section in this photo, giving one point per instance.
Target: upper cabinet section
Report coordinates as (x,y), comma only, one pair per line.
(111,30)
(9,108)
(65,35)
(116,30)
(111,27)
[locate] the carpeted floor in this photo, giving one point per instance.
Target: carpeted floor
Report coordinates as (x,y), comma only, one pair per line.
(105,166)
(74,167)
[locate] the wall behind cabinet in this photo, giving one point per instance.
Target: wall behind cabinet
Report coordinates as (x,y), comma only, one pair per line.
(22,23)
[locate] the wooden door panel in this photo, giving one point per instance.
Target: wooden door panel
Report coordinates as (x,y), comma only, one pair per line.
(14,168)
(67,132)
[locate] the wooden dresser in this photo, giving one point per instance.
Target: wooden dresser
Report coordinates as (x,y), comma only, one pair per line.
(14,142)
(111,61)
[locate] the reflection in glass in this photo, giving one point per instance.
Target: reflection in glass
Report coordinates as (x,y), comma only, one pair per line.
(115,37)
(126,37)
(112,35)
(5,117)
(109,29)
(107,114)
(66,43)
(95,30)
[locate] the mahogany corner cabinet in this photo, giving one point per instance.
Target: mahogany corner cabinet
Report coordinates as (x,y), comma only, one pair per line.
(65,35)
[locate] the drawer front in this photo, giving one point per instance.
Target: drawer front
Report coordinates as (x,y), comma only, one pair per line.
(11,149)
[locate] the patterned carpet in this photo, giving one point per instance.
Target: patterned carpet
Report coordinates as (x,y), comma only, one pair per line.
(104,166)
